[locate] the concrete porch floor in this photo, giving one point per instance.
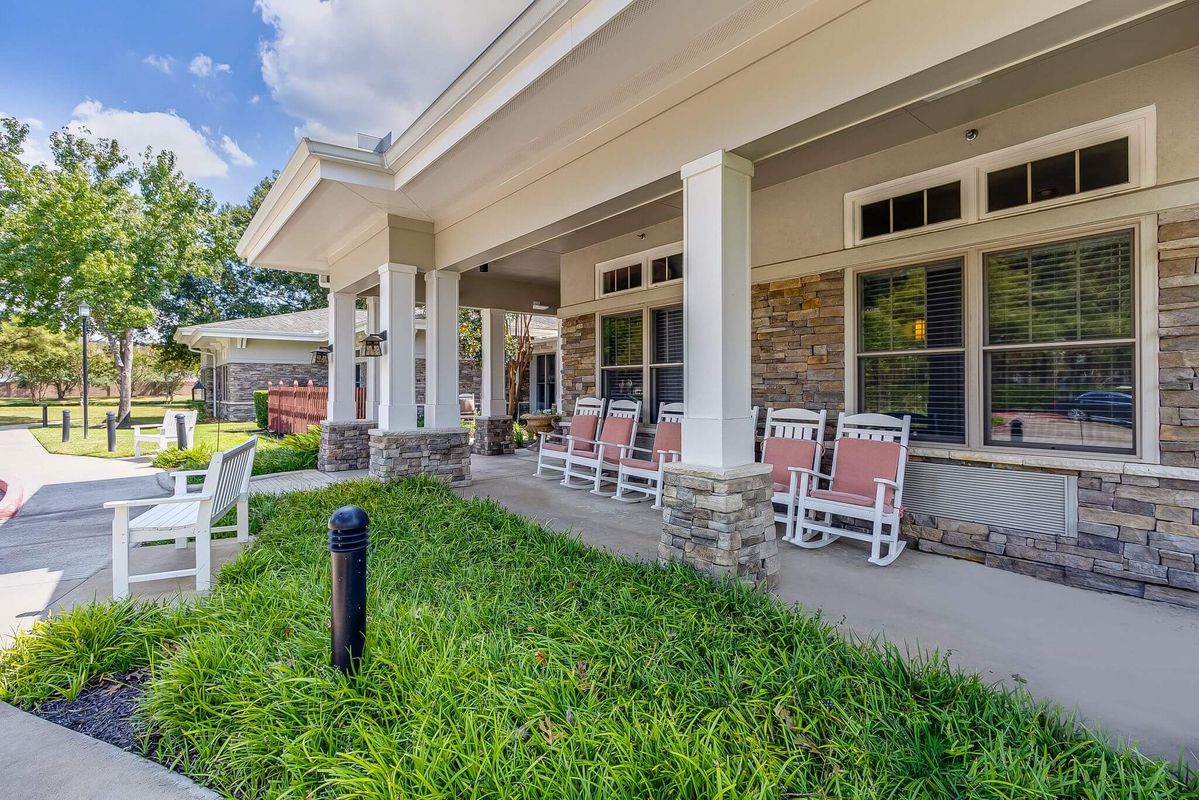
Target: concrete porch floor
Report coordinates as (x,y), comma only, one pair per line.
(1128,667)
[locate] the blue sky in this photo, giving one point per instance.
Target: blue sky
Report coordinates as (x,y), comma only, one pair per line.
(230,85)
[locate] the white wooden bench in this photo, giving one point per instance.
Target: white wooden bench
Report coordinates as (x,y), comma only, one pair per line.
(185,516)
(166,433)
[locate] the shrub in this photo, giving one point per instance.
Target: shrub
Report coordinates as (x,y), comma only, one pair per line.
(519,435)
(260,408)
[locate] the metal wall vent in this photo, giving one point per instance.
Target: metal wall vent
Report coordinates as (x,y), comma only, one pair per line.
(1004,498)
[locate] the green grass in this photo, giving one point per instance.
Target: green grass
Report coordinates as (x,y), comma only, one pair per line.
(21,410)
(507,661)
(208,435)
(292,452)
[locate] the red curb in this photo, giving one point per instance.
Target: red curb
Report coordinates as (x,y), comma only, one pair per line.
(14,498)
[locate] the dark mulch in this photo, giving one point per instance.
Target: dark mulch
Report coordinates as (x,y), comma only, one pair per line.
(104,711)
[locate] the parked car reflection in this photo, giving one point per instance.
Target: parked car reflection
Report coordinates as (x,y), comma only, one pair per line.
(1098,406)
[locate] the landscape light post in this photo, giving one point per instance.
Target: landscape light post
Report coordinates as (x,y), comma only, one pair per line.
(85,311)
(348,540)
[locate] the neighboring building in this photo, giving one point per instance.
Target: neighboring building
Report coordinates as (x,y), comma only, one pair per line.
(985,215)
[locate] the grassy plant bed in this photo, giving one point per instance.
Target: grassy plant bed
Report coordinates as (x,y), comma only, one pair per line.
(289,453)
(507,661)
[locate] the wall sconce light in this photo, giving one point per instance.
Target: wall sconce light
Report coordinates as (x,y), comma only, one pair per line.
(320,356)
(484,267)
(540,306)
(921,330)
(372,344)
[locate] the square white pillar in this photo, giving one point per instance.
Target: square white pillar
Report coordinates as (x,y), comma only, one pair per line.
(397,366)
(717,429)
(341,406)
(372,364)
(441,349)
(494,329)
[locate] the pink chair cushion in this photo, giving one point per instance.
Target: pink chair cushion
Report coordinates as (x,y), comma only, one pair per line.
(669,437)
(639,463)
(845,497)
(860,461)
(617,430)
(584,427)
(781,453)
(556,446)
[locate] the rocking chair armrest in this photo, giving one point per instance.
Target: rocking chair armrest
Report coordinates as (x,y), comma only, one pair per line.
(808,471)
(886,482)
(158,501)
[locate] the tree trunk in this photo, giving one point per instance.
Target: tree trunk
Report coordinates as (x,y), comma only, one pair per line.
(519,363)
(124,365)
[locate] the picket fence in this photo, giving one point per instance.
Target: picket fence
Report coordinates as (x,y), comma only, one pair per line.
(295,409)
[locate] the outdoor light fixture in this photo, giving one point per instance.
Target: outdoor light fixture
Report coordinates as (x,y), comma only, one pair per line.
(540,306)
(372,344)
(484,267)
(320,356)
(85,312)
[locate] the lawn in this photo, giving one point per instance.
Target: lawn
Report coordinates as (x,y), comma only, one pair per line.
(210,435)
(507,661)
(21,410)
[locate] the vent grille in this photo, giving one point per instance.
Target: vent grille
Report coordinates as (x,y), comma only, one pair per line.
(1003,498)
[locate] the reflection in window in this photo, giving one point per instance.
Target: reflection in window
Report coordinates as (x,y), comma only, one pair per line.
(621,337)
(1096,167)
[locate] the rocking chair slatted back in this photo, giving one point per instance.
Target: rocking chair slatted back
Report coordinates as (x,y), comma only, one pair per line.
(670,412)
(795,423)
(870,443)
(624,409)
(228,476)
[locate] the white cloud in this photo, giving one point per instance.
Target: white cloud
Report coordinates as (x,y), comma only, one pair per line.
(164,64)
(202,66)
(235,153)
(36,149)
(255,100)
(371,66)
(160,130)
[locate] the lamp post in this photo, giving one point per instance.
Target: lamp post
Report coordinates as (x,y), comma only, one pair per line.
(85,311)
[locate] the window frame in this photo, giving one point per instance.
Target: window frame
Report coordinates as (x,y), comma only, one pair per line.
(1144,287)
(645,258)
(648,402)
(1139,126)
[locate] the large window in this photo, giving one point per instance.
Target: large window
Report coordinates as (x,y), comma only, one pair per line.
(624,341)
(1060,345)
(1041,349)
(911,350)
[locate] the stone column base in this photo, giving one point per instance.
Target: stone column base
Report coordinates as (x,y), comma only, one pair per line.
(493,436)
(443,453)
(720,522)
(344,445)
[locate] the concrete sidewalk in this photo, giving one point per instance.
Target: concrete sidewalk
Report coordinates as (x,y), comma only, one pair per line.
(43,761)
(1130,667)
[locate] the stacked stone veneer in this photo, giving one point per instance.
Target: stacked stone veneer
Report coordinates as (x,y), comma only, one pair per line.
(578,359)
(444,454)
(493,436)
(1178,325)
(720,523)
(344,445)
(237,382)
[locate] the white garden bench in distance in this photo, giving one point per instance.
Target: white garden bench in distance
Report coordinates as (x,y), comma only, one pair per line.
(185,516)
(165,431)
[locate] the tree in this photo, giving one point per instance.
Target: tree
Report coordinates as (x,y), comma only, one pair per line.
(99,227)
(519,350)
(38,358)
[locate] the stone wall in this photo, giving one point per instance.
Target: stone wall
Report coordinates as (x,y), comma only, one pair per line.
(798,344)
(344,446)
(470,379)
(493,436)
(237,382)
(1178,323)
(578,360)
(444,454)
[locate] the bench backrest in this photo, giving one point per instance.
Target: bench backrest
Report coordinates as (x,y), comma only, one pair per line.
(189,420)
(228,476)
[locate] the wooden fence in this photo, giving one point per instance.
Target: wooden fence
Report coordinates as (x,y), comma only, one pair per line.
(295,409)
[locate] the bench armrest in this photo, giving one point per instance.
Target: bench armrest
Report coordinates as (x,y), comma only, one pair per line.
(158,501)
(137,429)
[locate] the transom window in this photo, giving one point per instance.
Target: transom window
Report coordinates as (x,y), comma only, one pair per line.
(912,210)
(1074,172)
(625,372)
(1053,346)
(655,267)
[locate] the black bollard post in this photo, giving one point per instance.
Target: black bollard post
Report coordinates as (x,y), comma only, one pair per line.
(180,432)
(110,422)
(1017,428)
(66,424)
(348,539)
(45,415)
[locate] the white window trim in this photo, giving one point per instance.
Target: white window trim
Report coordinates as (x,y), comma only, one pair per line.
(1140,126)
(647,364)
(1147,443)
(645,258)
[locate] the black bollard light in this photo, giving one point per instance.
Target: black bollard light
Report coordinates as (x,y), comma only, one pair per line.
(181,431)
(1017,428)
(348,538)
(110,422)
(45,415)
(66,424)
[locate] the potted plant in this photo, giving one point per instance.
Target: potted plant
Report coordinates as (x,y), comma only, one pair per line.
(540,422)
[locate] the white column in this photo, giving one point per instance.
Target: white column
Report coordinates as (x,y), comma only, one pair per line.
(441,349)
(341,405)
(397,367)
(494,324)
(372,364)
(717,429)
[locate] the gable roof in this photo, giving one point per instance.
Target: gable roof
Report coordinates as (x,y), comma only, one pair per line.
(303,326)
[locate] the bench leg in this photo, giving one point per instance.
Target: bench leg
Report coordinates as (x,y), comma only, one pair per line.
(120,553)
(243,520)
(203,558)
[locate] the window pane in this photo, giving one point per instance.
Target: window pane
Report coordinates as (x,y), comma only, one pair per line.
(667,268)
(658,270)
(1103,165)
(1066,291)
(945,203)
(911,308)
(876,219)
(623,384)
(622,279)
(622,340)
(1007,188)
(609,282)
(1053,177)
(667,329)
(668,386)
(931,388)
(1069,398)
(907,211)
(635,276)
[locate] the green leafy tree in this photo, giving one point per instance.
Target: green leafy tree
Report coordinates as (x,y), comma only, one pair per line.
(39,358)
(100,227)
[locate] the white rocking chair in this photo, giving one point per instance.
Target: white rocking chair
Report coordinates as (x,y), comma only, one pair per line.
(643,477)
(584,424)
(794,440)
(165,435)
(866,484)
(602,454)
(185,516)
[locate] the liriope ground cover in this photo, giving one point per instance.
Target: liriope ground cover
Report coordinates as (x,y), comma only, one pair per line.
(504,660)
